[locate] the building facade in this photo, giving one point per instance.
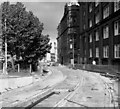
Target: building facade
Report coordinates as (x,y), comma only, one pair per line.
(68,35)
(97,31)
(52,56)
(100,32)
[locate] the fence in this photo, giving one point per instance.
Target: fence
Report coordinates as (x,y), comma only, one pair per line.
(99,68)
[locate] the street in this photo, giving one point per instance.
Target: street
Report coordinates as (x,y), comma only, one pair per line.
(20,95)
(65,88)
(49,60)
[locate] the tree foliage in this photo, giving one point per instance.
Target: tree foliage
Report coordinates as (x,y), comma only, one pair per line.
(23,32)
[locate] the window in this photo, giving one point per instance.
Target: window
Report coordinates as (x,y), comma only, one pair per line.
(105,51)
(105,12)
(116,5)
(85,52)
(96,35)
(0,45)
(71,46)
(97,2)
(90,7)
(75,45)
(116,28)
(97,52)
(85,39)
(90,52)
(105,32)
(74,20)
(0,33)
(69,20)
(117,51)
(90,23)
(90,37)
(97,18)
(70,40)
(84,13)
(84,26)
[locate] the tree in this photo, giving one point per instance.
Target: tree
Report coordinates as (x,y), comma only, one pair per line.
(23,33)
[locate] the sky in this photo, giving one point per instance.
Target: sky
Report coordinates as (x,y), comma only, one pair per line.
(49,13)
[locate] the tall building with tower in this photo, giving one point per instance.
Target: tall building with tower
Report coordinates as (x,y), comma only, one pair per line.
(68,34)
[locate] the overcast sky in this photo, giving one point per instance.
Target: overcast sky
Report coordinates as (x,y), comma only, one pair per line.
(49,13)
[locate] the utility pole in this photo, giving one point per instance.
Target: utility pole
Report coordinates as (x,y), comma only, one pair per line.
(73,51)
(79,56)
(5,49)
(55,51)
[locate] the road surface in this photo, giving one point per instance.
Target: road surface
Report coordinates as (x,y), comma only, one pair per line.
(66,88)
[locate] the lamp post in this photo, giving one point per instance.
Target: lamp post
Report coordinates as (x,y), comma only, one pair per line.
(73,51)
(5,71)
(78,56)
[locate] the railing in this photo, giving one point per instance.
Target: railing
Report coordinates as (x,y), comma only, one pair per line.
(99,68)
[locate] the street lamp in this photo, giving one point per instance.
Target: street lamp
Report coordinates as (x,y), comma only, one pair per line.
(73,51)
(78,56)
(5,71)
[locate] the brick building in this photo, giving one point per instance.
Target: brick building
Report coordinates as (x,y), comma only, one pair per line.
(100,32)
(68,35)
(93,34)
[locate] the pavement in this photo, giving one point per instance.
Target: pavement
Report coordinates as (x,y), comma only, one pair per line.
(16,81)
(62,78)
(95,91)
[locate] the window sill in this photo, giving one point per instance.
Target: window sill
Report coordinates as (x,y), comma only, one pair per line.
(106,38)
(117,57)
(117,34)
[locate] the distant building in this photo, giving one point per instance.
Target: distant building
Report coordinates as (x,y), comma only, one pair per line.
(52,57)
(48,57)
(55,51)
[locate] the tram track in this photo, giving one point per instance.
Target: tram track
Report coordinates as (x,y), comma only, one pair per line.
(68,93)
(108,88)
(29,96)
(66,99)
(52,96)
